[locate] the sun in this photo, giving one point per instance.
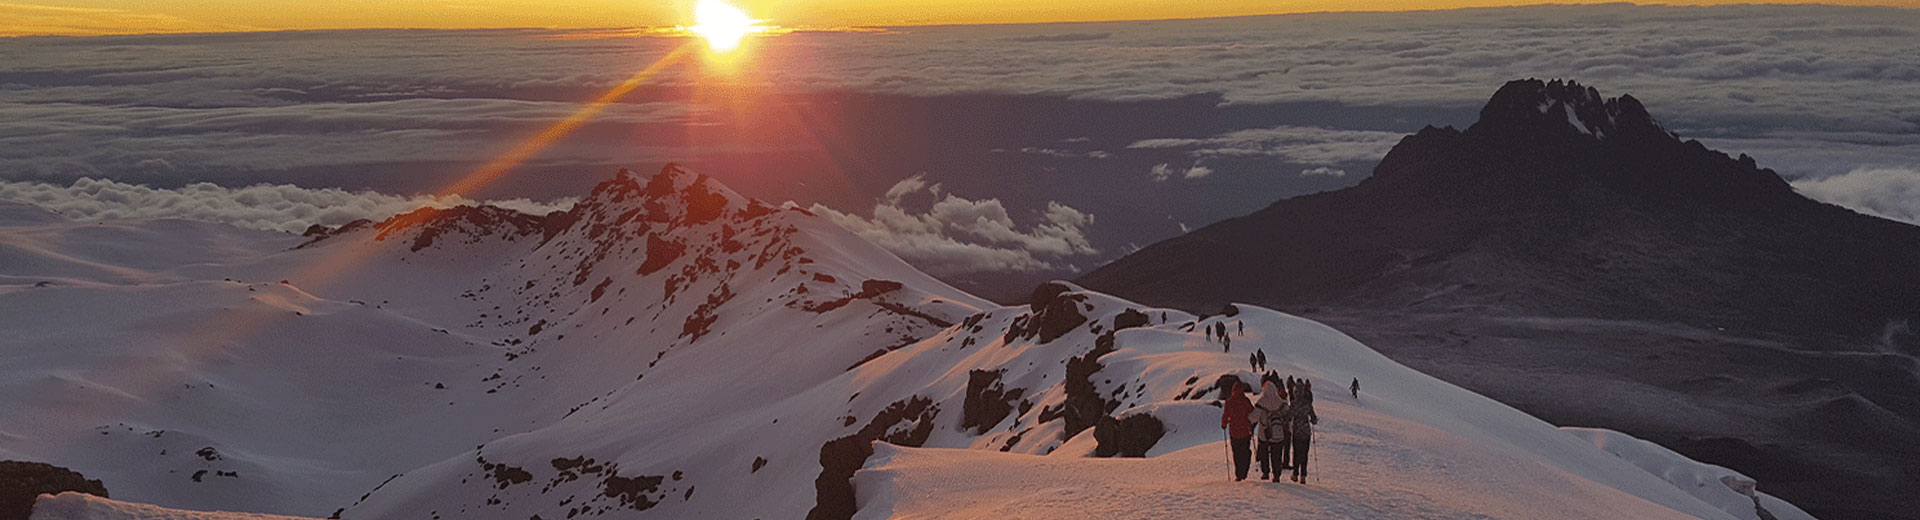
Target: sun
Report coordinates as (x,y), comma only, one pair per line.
(722,25)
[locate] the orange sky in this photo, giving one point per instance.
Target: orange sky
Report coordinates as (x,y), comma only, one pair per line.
(83,17)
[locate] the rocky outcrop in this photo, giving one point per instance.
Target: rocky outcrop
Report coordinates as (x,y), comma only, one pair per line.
(1084,405)
(1130,436)
(987,401)
(1130,318)
(840,458)
(21,482)
(1055,311)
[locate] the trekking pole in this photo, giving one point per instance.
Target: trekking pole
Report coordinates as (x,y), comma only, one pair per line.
(1227,442)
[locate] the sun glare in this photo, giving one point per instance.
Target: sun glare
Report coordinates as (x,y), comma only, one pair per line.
(722,25)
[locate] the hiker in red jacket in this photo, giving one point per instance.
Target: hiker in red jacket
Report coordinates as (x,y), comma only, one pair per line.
(1234,417)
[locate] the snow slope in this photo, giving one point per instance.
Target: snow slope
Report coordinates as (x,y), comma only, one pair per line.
(668,348)
(1724,488)
(81,506)
(1410,445)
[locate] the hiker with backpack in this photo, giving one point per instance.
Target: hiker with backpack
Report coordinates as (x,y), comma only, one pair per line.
(1301,420)
(1233,418)
(1269,417)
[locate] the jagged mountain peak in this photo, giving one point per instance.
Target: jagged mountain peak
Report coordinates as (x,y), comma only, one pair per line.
(1533,108)
(674,195)
(1556,139)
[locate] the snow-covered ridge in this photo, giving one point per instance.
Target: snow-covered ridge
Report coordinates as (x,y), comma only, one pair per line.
(667,348)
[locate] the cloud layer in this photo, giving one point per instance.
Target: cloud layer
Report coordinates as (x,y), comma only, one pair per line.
(957,236)
(1891,193)
(117,106)
(1811,91)
(1303,145)
(280,207)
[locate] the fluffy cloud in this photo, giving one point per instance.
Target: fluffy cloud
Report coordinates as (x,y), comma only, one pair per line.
(264,206)
(1304,145)
(1163,171)
(956,235)
(1323,171)
(1892,193)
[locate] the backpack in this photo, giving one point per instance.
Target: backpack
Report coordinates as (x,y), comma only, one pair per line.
(1276,425)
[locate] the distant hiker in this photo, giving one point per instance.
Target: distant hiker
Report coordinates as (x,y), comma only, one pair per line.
(1233,417)
(1301,417)
(1242,326)
(1253,362)
(1226,343)
(1263,357)
(1269,415)
(1356,388)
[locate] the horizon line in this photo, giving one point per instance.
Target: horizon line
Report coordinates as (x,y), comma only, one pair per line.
(6,35)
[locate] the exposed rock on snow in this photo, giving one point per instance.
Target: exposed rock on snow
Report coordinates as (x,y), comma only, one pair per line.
(21,482)
(840,458)
(1131,436)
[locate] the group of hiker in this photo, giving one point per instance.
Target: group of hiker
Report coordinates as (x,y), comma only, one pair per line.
(1281,422)
(1276,429)
(1219,331)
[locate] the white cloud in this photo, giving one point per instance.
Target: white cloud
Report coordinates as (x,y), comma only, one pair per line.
(1163,171)
(281,207)
(1892,193)
(1323,171)
(1160,172)
(956,235)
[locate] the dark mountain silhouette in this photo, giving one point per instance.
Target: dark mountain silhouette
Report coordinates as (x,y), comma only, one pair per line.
(1568,255)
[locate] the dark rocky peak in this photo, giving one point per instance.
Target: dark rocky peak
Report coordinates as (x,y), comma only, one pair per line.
(1559,142)
(1534,109)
